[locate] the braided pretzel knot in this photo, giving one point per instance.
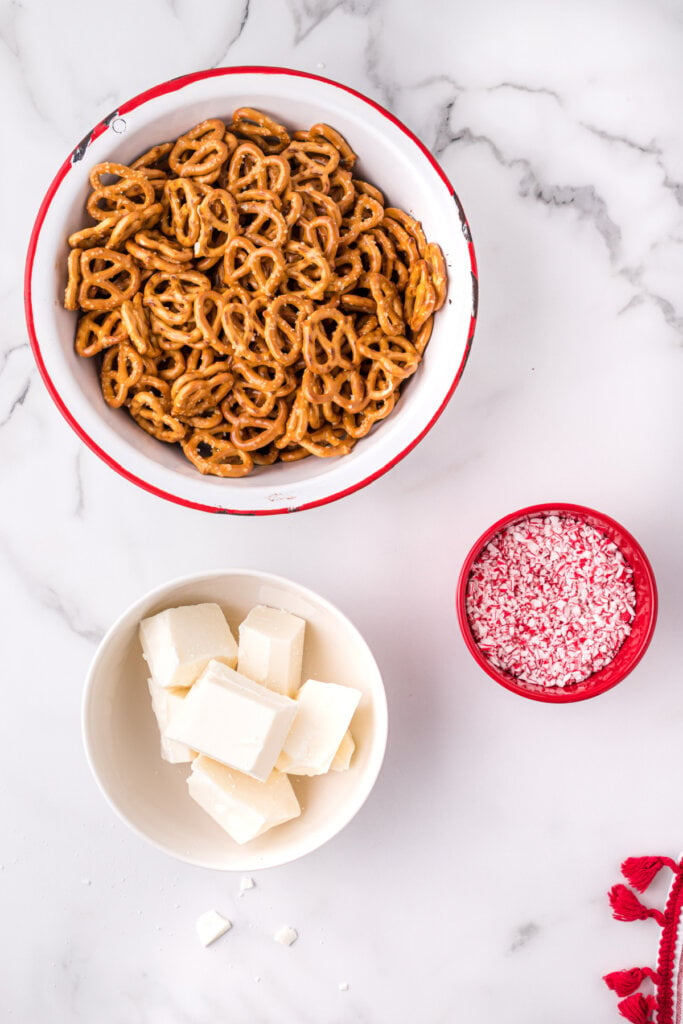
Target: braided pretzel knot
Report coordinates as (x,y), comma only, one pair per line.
(247,296)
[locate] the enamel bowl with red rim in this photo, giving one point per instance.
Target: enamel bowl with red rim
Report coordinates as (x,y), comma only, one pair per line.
(390,156)
(641,628)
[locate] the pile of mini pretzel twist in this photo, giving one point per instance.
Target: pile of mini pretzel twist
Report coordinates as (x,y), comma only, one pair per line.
(247,297)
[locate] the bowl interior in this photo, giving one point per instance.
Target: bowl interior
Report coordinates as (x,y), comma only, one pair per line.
(122,739)
(636,643)
(388,156)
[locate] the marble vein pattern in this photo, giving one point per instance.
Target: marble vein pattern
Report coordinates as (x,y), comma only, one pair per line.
(472,885)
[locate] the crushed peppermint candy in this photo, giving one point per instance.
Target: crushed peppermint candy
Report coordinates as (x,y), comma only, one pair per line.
(550,600)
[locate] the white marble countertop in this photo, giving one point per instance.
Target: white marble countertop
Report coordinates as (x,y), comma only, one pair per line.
(472,884)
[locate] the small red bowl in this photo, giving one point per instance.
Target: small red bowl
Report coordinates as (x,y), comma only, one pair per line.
(633,648)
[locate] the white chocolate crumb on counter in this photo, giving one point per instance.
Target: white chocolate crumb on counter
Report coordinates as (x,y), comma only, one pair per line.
(246,884)
(210,926)
(343,986)
(285,935)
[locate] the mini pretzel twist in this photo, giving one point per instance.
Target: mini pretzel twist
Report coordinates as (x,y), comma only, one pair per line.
(200,153)
(437,272)
(131,193)
(343,388)
(396,355)
(259,270)
(420,295)
(136,323)
(147,409)
(357,425)
(261,129)
(95,235)
(74,278)
(250,433)
(347,157)
(367,213)
(193,396)
(170,297)
(318,204)
(389,307)
(130,223)
(250,169)
(346,271)
(312,156)
(328,441)
(108,278)
(183,196)
(153,160)
(122,367)
(156,386)
(262,224)
(421,337)
(97,331)
(214,453)
(156,251)
(285,318)
(169,365)
(218,223)
(208,313)
(322,233)
(329,341)
(308,272)
(412,226)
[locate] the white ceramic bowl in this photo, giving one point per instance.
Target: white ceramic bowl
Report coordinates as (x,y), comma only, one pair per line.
(390,156)
(122,739)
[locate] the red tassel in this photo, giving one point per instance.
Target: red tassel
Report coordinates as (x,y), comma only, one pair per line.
(627,907)
(640,871)
(638,1008)
(624,983)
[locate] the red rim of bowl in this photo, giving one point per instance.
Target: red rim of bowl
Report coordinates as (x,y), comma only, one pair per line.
(174,85)
(633,648)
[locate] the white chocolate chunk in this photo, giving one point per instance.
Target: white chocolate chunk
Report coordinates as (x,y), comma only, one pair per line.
(166,700)
(271,648)
(342,759)
(210,926)
(242,806)
(246,884)
(286,935)
(179,643)
(324,715)
(234,720)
